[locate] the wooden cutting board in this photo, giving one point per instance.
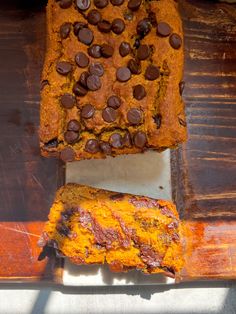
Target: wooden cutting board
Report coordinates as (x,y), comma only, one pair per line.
(203,170)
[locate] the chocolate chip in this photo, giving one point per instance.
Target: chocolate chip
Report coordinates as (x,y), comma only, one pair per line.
(104,26)
(152,73)
(95,51)
(65,30)
(143,27)
(134,5)
(134,116)
(140,139)
(85,35)
(182,122)
(139,92)
(143,52)
(81,60)
(52,143)
(43,84)
(181,87)
(157,120)
(109,114)
(114,102)
(100,3)
(117,2)
(163,29)
(73,125)
(117,196)
(152,18)
(126,140)
(118,26)
(94,16)
(107,51)
(96,69)
(83,79)
(123,74)
(124,49)
(105,147)
(78,26)
(63,67)
(67,100)
(175,41)
(83,5)
(92,146)
(128,15)
(116,140)
(67,154)
(79,90)
(65,4)
(137,43)
(63,230)
(93,82)
(134,66)
(87,111)
(71,137)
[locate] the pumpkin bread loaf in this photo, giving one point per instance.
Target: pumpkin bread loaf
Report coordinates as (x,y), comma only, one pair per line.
(112,78)
(94,226)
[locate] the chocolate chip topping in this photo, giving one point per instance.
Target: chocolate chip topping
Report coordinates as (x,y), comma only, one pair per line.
(67,100)
(128,15)
(93,82)
(87,111)
(94,16)
(96,68)
(83,5)
(134,5)
(107,51)
(67,154)
(152,18)
(65,30)
(118,26)
(181,87)
(63,67)
(105,147)
(134,116)
(100,3)
(95,51)
(81,60)
(137,43)
(124,49)
(44,83)
(104,26)
(116,140)
(126,140)
(92,146)
(71,137)
(79,90)
(85,35)
(139,92)
(123,74)
(65,4)
(73,125)
(114,102)
(143,52)
(152,73)
(140,139)
(78,26)
(109,114)
(52,143)
(117,2)
(175,41)
(163,29)
(143,27)
(157,120)
(134,66)
(83,79)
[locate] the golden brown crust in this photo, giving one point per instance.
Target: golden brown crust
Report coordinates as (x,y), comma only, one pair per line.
(94,226)
(163,97)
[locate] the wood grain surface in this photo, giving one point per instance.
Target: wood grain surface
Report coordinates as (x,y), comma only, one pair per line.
(27,181)
(204,169)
